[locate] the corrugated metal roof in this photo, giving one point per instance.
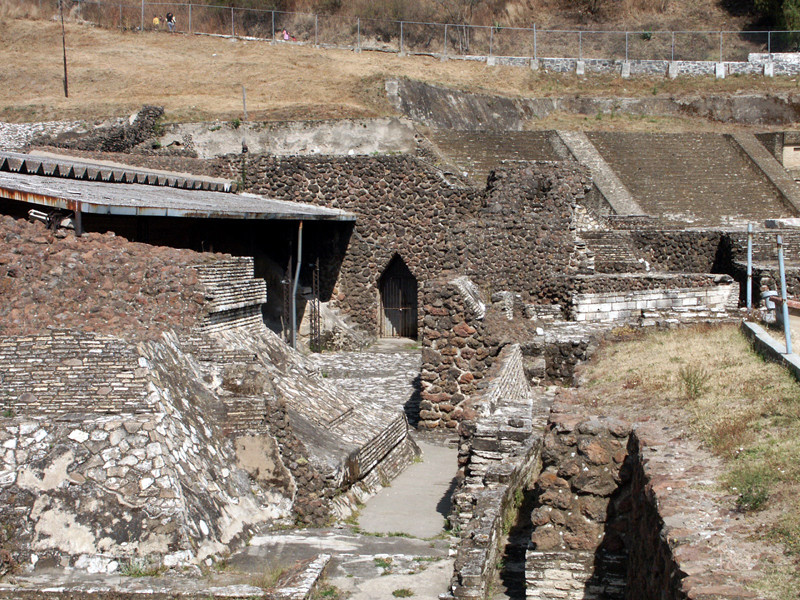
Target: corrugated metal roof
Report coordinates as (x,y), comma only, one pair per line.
(95,197)
(52,165)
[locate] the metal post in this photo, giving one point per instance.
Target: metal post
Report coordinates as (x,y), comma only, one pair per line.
(244,124)
(142,26)
(79,219)
(64,48)
(401,37)
(786,330)
(359,34)
(534,41)
(190,19)
(233,28)
(445,39)
(580,45)
(720,46)
(120,15)
(316,30)
(769,43)
(626,46)
(673,46)
(749,267)
(296,281)
(491,39)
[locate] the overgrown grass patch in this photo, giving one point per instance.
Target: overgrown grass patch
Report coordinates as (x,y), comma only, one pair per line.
(140,567)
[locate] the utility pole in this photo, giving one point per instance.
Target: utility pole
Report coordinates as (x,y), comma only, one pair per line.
(64,48)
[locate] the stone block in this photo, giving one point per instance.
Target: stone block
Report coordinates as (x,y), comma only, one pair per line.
(626,69)
(580,67)
(719,70)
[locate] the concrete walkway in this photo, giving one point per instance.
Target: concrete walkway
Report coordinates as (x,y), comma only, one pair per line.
(417,502)
(405,520)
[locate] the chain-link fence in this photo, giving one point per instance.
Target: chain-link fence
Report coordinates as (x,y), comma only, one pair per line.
(440,39)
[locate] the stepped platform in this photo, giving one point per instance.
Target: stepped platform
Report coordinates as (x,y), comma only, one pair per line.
(613,252)
(476,153)
(700,179)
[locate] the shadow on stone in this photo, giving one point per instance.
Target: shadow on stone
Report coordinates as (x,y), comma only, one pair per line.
(411,406)
(444,505)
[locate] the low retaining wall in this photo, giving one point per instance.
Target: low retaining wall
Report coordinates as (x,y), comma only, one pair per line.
(760,64)
(681,304)
(770,348)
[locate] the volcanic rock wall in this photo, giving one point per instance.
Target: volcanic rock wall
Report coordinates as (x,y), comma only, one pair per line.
(629,512)
(513,235)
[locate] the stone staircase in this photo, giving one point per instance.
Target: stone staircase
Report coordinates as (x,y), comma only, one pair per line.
(613,252)
(476,153)
(616,194)
(691,178)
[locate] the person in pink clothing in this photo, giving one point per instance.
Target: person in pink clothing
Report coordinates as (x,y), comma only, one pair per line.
(285,36)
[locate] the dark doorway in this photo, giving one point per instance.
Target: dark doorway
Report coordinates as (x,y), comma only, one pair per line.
(398,289)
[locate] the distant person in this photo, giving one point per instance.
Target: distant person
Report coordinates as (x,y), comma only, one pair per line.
(285,36)
(156,22)
(171,22)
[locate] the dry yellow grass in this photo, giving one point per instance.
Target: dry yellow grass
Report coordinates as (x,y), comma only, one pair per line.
(112,73)
(746,410)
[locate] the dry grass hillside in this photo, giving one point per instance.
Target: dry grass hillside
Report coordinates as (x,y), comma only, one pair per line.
(112,73)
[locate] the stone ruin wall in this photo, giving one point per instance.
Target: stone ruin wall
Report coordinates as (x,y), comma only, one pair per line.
(461,335)
(121,438)
(498,450)
(162,484)
(97,282)
(515,234)
(612,506)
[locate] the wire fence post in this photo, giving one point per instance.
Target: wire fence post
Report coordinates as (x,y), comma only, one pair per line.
(626,46)
(316,31)
(359,34)
(534,41)
(769,43)
(580,45)
(273,26)
(190,19)
(141,28)
(491,39)
(120,13)
(673,46)
(401,38)
(233,28)
(720,46)
(445,39)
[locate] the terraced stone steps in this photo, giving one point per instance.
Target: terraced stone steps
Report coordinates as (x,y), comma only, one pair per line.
(476,153)
(690,178)
(235,295)
(615,192)
(613,251)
